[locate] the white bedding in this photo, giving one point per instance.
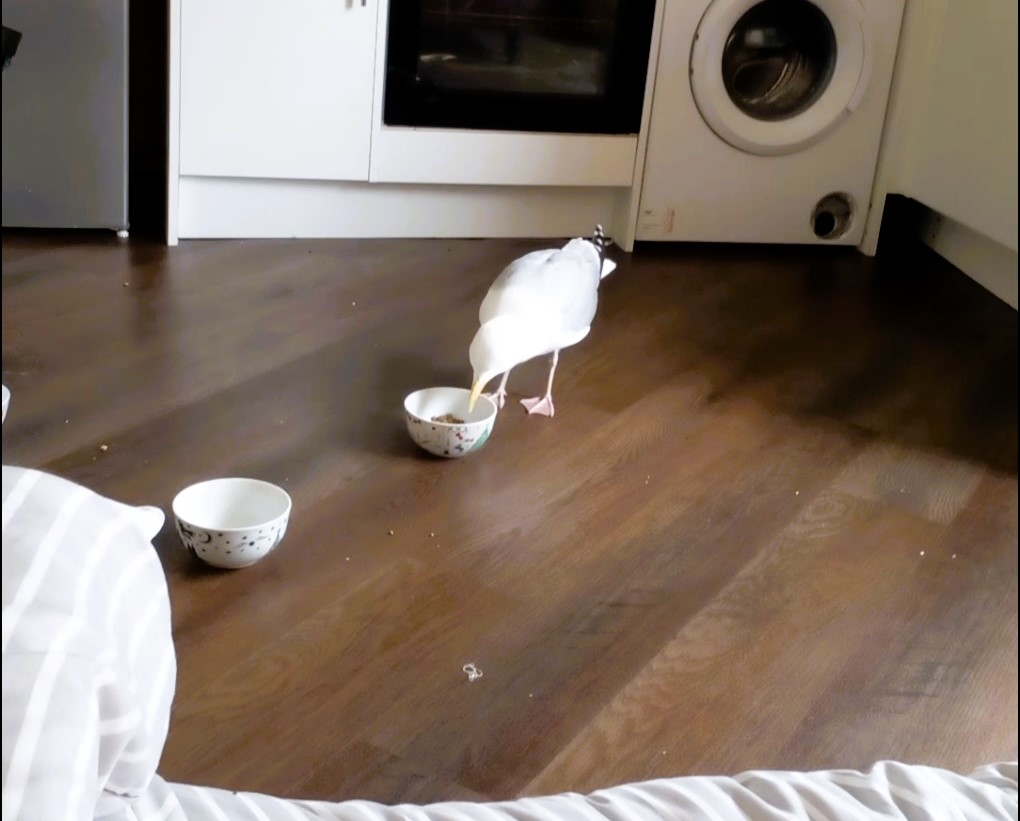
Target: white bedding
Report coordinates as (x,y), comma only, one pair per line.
(88,679)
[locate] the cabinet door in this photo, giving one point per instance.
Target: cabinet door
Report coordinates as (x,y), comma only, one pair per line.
(960,156)
(277,88)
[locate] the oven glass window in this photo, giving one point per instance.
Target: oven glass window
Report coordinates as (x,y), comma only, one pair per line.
(517,48)
(532,65)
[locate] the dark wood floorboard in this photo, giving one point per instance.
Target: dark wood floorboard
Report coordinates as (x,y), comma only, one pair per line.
(773,524)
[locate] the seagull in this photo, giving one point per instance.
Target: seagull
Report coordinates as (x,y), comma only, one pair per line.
(541,303)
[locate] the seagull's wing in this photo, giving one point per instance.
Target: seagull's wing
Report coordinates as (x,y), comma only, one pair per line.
(495,302)
(555,291)
(566,284)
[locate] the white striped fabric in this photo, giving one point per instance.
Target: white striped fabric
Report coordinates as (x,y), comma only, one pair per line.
(88,677)
(86,631)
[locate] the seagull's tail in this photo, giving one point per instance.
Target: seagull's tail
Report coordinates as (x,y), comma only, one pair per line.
(602,243)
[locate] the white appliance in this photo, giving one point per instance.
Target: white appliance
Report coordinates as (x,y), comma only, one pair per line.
(766,119)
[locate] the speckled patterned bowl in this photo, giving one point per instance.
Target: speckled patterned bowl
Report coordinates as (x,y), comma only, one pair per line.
(231,523)
(447,438)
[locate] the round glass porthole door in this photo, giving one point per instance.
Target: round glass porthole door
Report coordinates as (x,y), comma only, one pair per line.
(778,59)
(774,76)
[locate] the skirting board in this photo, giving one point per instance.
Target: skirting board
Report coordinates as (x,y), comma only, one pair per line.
(988,263)
(234,208)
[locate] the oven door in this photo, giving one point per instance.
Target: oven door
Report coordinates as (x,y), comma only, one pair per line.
(568,66)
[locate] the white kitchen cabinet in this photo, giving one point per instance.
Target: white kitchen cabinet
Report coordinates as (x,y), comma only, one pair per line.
(277,88)
(951,135)
(960,155)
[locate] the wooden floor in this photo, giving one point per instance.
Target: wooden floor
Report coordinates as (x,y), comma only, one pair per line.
(773,523)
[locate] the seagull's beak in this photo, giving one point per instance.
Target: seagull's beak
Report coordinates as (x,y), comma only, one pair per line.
(476,391)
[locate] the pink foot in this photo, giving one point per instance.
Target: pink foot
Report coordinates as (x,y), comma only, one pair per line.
(542,405)
(499,397)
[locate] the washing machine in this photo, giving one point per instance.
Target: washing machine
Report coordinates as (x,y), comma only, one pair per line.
(766,120)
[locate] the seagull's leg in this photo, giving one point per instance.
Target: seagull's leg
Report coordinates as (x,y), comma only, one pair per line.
(543,404)
(499,397)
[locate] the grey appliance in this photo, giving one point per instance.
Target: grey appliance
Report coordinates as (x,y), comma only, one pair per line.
(65,115)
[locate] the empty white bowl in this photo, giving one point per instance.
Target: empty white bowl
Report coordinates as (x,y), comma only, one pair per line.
(231,523)
(424,410)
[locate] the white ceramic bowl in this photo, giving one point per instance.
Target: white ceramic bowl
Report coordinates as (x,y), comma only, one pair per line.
(7,402)
(233,522)
(447,438)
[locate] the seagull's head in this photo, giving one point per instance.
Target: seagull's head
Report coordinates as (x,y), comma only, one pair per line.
(500,344)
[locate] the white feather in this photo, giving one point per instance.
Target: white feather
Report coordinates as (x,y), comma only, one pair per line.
(542,302)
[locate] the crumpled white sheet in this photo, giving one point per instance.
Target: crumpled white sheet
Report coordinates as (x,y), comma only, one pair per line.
(889,790)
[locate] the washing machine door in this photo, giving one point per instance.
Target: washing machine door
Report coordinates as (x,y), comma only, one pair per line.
(775,76)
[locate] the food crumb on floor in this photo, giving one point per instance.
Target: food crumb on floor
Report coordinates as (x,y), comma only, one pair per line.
(104,448)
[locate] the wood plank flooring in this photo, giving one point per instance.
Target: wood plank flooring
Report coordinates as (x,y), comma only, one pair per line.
(773,523)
